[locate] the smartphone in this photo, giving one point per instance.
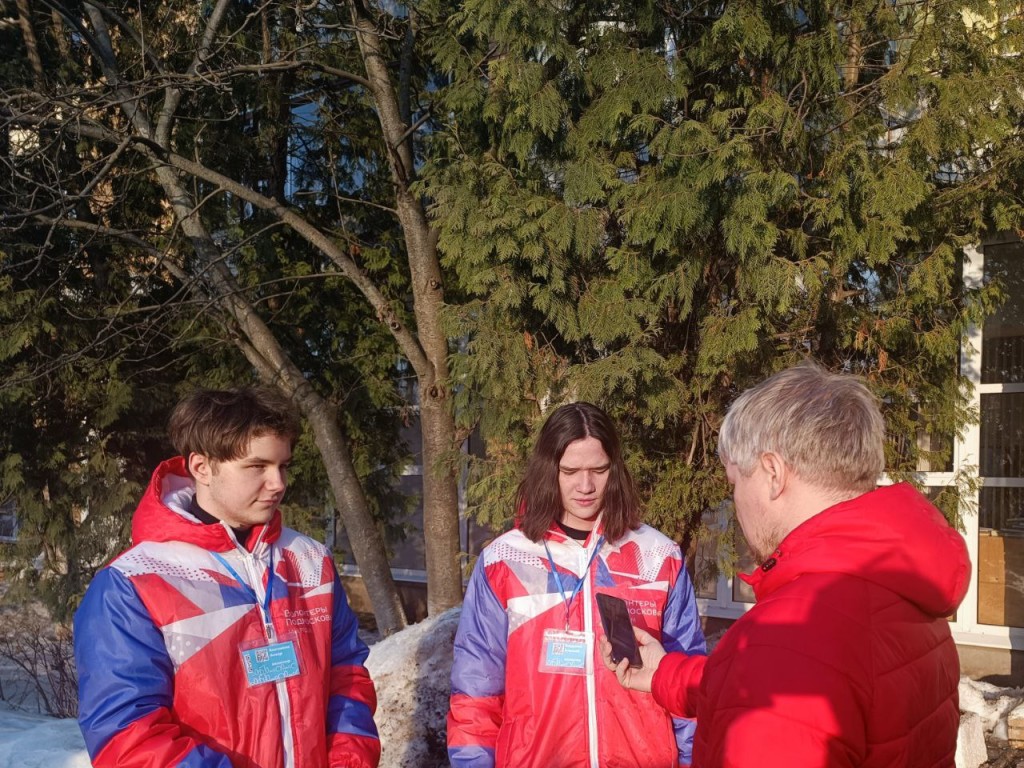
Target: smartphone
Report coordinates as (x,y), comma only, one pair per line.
(619,629)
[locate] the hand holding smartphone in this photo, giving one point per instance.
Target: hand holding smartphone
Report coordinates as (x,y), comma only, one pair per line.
(619,629)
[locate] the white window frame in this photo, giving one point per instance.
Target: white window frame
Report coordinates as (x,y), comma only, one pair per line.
(967,630)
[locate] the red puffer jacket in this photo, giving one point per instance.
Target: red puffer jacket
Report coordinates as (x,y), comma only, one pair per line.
(847,657)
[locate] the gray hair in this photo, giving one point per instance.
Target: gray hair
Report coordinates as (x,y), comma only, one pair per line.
(826,426)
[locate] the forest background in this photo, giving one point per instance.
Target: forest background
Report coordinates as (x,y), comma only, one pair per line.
(464,214)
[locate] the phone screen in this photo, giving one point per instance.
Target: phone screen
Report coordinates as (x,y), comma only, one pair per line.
(619,629)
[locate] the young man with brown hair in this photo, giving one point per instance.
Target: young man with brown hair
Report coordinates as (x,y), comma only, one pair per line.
(222,639)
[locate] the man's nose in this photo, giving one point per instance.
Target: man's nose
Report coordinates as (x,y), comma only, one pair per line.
(276,479)
(586,482)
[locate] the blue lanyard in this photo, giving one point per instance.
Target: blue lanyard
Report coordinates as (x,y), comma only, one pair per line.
(576,590)
(252,593)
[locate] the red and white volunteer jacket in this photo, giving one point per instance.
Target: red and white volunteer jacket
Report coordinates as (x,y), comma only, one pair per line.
(158,641)
(506,712)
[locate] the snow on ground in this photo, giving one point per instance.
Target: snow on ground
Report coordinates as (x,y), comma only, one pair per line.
(37,741)
(411,671)
(989,702)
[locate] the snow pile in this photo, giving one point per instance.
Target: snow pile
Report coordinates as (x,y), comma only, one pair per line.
(991,703)
(411,671)
(971,750)
(37,741)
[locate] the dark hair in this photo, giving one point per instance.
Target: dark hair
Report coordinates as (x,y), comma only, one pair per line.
(220,423)
(539,501)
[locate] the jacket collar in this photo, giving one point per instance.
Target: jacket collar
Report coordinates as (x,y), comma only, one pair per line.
(162,514)
(891,536)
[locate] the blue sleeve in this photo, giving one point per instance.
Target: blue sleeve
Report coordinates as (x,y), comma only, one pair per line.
(478,675)
(353,698)
(681,632)
(126,683)
(346,646)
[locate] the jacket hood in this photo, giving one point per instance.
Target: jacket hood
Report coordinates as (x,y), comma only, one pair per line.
(162,514)
(892,537)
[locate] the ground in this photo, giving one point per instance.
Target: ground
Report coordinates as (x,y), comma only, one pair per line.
(1002,755)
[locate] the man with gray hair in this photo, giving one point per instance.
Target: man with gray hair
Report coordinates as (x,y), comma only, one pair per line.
(846,659)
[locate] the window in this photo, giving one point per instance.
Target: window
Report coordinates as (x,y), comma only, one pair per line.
(1001,445)
(8,521)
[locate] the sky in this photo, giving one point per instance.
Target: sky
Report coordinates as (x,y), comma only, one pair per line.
(411,671)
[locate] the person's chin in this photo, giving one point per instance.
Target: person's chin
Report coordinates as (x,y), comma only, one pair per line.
(588,514)
(262,516)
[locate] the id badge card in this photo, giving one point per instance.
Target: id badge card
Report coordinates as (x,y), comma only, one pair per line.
(565,652)
(270,662)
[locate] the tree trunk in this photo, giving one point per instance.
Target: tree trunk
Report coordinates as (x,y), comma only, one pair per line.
(440,506)
(31,45)
(268,357)
(439,442)
(363,534)
(254,338)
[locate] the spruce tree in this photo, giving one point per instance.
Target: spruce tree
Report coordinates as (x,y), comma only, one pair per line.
(653,206)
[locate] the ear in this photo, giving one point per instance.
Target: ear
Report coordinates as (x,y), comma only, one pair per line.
(200,467)
(777,472)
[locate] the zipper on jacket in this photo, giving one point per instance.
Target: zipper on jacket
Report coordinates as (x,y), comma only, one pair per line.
(585,557)
(588,624)
(251,567)
(252,561)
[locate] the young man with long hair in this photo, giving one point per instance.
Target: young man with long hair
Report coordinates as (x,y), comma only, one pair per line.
(526,691)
